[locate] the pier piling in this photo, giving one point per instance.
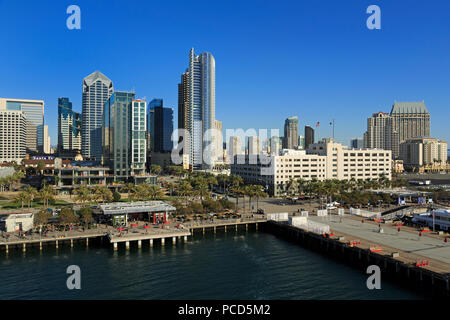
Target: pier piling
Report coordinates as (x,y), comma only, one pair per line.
(56,244)
(127,245)
(115,246)
(139,244)
(151,242)
(185,239)
(174,240)
(24,247)
(162,241)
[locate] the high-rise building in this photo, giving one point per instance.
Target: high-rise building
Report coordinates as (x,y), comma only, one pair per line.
(381,134)
(69,127)
(161,126)
(301,142)
(31,137)
(417,152)
(138,138)
(309,136)
(254,146)
(13,126)
(97,88)
(410,120)
(196,108)
(290,133)
(357,143)
(234,146)
(46,143)
(218,125)
(33,110)
(117,133)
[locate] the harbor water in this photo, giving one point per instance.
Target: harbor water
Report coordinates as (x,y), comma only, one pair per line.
(232,265)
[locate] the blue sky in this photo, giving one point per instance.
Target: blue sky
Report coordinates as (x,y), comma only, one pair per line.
(274,59)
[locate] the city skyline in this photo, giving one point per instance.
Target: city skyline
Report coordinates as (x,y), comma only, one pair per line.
(372,78)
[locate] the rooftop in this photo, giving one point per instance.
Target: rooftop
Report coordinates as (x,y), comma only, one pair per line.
(409,107)
(136,207)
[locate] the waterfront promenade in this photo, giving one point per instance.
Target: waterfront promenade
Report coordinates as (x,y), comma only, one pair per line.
(410,246)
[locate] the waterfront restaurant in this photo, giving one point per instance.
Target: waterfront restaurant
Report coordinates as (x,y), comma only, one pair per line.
(123,212)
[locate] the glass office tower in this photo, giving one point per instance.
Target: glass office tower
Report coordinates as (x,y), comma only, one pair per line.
(97,88)
(117,133)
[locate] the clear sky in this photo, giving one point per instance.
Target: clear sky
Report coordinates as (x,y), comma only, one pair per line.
(274,59)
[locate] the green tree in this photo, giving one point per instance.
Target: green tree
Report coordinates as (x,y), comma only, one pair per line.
(85,215)
(41,218)
(22,197)
(129,188)
(82,194)
(31,193)
(156,169)
(67,216)
(47,193)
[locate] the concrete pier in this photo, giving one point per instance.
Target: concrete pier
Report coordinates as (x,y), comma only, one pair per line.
(432,279)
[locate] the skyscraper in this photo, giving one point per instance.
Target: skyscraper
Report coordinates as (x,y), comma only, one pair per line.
(13,128)
(69,126)
(357,143)
(117,133)
(254,146)
(410,120)
(196,103)
(290,133)
(33,111)
(97,88)
(161,126)
(309,136)
(381,134)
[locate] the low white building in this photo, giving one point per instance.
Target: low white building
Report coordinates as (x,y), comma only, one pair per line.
(324,160)
(17,222)
(441,219)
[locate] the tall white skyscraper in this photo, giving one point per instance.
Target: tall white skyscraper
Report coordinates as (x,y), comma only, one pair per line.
(197,104)
(13,127)
(97,88)
(254,145)
(33,111)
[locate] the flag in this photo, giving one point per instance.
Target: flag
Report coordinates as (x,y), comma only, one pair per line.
(317,124)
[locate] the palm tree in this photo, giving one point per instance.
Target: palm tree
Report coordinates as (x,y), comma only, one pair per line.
(103,194)
(184,189)
(259,193)
(155,192)
(156,169)
(47,193)
(21,197)
(31,194)
(83,194)
(238,192)
(128,188)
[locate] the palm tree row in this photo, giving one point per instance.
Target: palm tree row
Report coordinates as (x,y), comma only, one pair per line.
(8,182)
